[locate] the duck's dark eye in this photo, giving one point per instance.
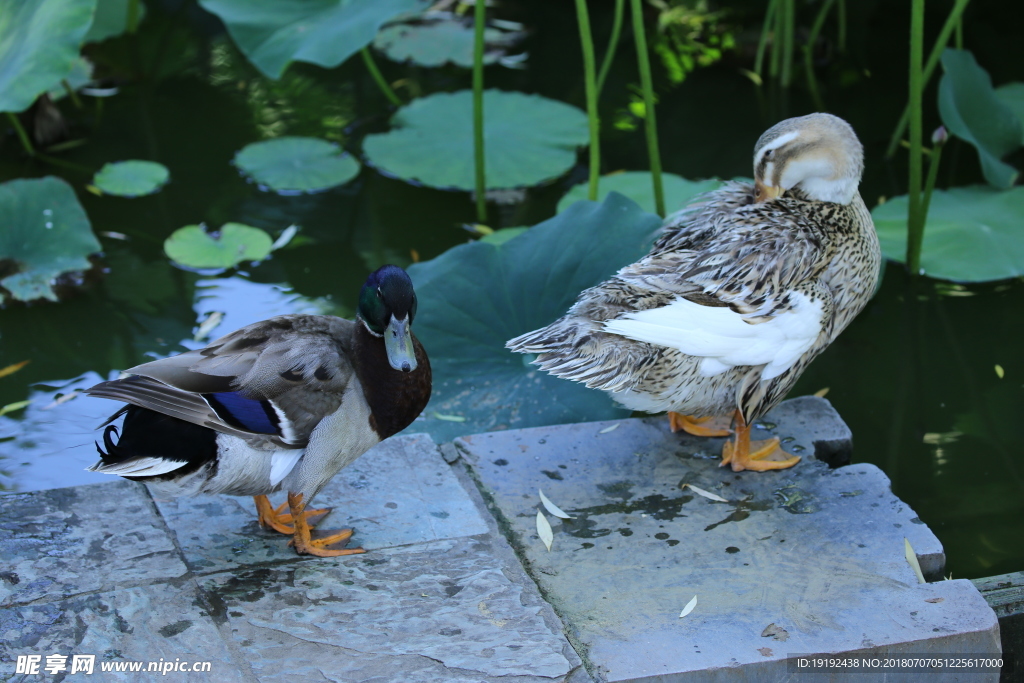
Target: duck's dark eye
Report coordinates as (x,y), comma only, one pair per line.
(380,294)
(769,154)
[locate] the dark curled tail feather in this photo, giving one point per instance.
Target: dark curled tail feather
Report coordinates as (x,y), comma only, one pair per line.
(111,454)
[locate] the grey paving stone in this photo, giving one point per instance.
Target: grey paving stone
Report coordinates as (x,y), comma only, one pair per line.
(143,624)
(61,542)
(441,611)
(398,493)
(816,552)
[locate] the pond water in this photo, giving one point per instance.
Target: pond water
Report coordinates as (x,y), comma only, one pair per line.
(930,377)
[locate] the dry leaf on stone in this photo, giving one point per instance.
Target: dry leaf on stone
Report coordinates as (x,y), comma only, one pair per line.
(544,530)
(776,632)
(551,507)
(706,494)
(689,607)
(912,560)
(820,393)
(934,600)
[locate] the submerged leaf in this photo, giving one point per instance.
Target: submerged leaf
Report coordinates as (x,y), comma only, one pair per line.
(551,507)
(689,607)
(272,33)
(637,186)
(973,233)
(131,178)
(234,243)
(528,139)
(971,111)
(912,560)
(44,232)
(292,164)
(476,296)
(39,43)
(543,529)
(13,368)
(18,405)
(707,494)
(438,38)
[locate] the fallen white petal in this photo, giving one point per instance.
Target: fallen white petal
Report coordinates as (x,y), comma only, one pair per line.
(609,429)
(912,560)
(689,607)
(208,325)
(63,398)
(706,494)
(544,530)
(285,237)
(551,507)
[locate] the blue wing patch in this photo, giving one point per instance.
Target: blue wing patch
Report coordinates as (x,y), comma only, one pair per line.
(245,413)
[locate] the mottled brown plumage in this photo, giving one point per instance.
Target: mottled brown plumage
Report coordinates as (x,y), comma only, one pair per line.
(741,291)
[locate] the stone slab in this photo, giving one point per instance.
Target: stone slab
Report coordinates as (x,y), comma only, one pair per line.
(144,624)
(400,492)
(817,552)
(437,612)
(62,542)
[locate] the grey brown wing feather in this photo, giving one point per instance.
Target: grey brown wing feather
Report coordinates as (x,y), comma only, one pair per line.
(300,363)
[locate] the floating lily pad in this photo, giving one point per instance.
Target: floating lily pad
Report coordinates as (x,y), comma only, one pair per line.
(194,247)
(972,111)
(291,164)
(44,232)
(527,139)
(131,178)
(111,19)
(973,233)
(476,296)
(39,42)
(272,33)
(441,38)
(637,186)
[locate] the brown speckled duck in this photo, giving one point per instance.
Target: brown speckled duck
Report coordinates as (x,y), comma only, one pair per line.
(280,405)
(739,294)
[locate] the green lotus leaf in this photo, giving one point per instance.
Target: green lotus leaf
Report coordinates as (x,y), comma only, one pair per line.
(292,164)
(1012,95)
(973,233)
(527,139)
(39,42)
(194,247)
(445,39)
(499,237)
(637,186)
(273,33)
(476,296)
(973,112)
(131,178)
(45,233)
(111,19)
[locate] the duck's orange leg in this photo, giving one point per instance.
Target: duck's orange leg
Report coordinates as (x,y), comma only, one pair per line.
(274,518)
(305,544)
(693,425)
(738,453)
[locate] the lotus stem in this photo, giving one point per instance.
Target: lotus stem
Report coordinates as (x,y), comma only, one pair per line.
(71,93)
(766,29)
(841,10)
(789,26)
(590,85)
(132,20)
(929,68)
(613,45)
(938,142)
(478,110)
(22,135)
(915,217)
(378,77)
(812,81)
(650,122)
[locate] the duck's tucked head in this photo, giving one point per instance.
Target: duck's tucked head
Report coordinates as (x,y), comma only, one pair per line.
(387,306)
(819,154)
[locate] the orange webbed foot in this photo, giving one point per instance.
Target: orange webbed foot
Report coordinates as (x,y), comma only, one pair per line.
(718,426)
(760,456)
(305,544)
(270,517)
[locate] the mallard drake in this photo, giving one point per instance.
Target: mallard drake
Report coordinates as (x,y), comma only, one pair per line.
(740,292)
(282,404)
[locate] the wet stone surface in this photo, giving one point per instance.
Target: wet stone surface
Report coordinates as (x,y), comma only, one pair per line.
(815,553)
(102,570)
